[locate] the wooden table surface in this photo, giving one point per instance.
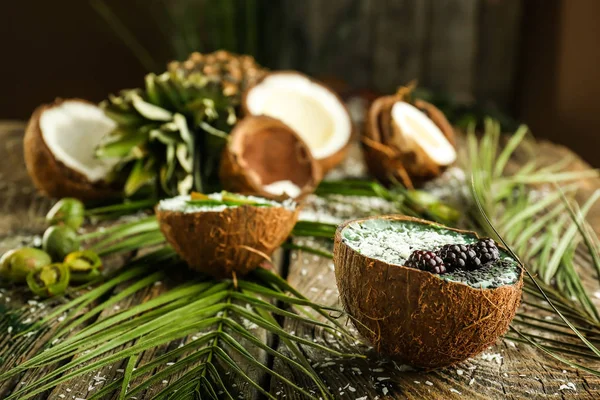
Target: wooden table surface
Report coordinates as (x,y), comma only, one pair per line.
(507,370)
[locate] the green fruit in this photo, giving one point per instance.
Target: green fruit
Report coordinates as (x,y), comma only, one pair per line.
(5,264)
(50,280)
(67,211)
(84,265)
(16,264)
(60,240)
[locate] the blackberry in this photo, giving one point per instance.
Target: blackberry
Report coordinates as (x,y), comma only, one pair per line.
(486,251)
(455,256)
(426,261)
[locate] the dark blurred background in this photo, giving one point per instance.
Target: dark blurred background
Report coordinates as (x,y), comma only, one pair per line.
(532,61)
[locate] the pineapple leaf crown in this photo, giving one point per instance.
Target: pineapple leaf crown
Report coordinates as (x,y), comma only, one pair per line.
(170,133)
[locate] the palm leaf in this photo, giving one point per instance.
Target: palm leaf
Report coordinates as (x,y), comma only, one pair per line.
(214,307)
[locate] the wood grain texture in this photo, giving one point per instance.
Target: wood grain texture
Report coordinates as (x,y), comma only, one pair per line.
(497,48)
(452,45)
(520,373)
(400,30)
(465,48)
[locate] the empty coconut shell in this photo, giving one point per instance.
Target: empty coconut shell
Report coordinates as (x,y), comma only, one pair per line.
(263,153)
(309,107)
(388,154)
(52,176)
(234,240)
(415,316)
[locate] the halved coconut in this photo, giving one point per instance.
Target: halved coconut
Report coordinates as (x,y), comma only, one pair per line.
(309,107)
(222,240)
(422,319)
(264,157)
(409,142)
(60,144)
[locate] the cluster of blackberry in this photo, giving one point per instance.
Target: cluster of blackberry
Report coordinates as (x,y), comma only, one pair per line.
(455,256)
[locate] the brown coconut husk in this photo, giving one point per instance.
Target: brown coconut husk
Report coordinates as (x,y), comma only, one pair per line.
(327,163)
(385,154)
(50,176)
(262,150)
(227,243)
(416,317)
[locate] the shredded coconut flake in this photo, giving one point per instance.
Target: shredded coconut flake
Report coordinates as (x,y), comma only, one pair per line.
(568,386)
(180,203)
(492,357)
(283,187)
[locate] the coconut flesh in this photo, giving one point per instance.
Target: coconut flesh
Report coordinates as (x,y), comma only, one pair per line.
(416,132)
(419,318)
(72,130)
(308,107)
(185,204)
(393,242)
(225,240)
(409,142)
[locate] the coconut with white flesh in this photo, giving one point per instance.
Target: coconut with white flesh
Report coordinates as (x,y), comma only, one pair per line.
(265,157)
(410,142)
(417,133)
(309,107)
(60,144)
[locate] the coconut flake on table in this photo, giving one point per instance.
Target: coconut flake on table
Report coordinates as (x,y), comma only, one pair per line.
(492,357)
(286,187)
(451,186)
(181,203)
(351,167)
(335,209)
(568,386)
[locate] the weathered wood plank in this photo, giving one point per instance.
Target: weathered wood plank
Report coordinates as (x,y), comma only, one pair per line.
(398,45)
(22,210)
(451,47)
(326,37)
(497,51)
(465,48)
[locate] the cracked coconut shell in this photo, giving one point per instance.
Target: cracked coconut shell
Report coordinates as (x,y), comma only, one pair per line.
(416,317)
(223,243)
(317,92)
(262,150)
(49,175)
(384,151)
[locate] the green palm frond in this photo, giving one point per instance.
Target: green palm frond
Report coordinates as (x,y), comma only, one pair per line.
(528,212)
(531,213)
(211,320)
(405,201)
